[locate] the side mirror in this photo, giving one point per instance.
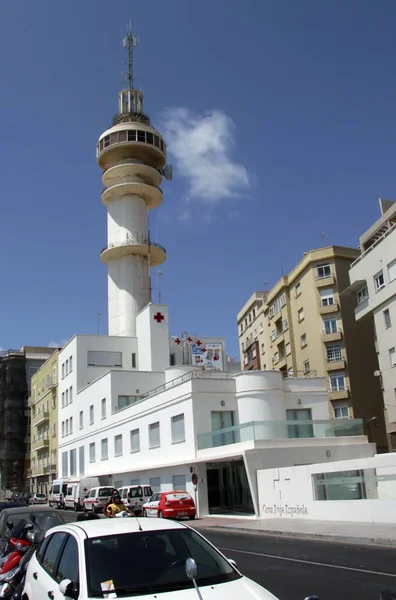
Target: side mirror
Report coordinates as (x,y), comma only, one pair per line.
(10,524)
(67,588)
(232,562)
(29,526)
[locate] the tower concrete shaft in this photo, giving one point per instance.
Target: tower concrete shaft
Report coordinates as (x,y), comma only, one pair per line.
(132,155)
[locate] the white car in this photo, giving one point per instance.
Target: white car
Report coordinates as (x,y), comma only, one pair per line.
(132,559)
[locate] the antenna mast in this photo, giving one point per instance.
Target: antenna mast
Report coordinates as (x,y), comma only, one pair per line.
(130,42)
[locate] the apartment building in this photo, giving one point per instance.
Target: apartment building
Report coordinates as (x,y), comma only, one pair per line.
(43,403)
(373,289)
(303,326)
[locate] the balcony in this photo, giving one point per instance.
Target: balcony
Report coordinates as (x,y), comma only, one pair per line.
(40,418)
(152,194)
(51,385)
(40,443)
(134,247)
(338,394)
(38,470)
(335,336)
(256,431)
(294,374)
(328,309)
(335,365)
(282,362)
(325,281)
(50,469)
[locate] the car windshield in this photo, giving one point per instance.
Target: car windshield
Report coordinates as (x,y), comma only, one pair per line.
(40,496)
(136,492)
(105,492)
(166,551)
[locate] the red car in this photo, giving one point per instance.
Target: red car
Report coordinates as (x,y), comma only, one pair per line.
(170,505)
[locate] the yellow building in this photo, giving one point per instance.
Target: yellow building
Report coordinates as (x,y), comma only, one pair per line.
(43,405)
(303,326)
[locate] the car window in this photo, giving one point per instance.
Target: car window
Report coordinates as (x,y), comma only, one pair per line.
(41,549)
(147,491)
(135,492)
(92,493)
(105,492)
(68,564)
(51,553)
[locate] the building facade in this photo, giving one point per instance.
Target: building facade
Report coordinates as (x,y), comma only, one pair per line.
(305,325)
(43,404)
(373,290)
(16,369)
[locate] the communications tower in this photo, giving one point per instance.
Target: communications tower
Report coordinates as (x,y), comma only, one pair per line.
(132,155)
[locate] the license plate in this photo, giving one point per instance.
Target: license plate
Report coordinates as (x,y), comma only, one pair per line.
(182,514)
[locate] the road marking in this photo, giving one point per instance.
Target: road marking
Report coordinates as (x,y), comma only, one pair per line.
(309,562)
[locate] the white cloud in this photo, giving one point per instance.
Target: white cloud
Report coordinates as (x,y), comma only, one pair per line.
(56,344)
(201,146)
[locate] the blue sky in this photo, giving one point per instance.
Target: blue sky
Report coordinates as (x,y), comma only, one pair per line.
(280,117)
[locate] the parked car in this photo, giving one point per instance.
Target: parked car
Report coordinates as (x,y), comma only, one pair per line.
(134,496)
(24,512)
(97,498)
(38,499)
(170,505)
(87,560)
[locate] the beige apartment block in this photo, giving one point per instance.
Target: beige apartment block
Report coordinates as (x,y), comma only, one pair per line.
(304,327)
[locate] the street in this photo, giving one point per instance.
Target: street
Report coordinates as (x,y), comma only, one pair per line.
(293,569)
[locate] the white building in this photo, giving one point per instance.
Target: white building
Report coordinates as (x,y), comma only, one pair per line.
(373,280)
(140,405)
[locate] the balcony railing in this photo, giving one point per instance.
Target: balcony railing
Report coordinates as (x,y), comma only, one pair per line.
(272,430)
(40,417)
(134,242)
(292,374)
(41,442)
(378,241)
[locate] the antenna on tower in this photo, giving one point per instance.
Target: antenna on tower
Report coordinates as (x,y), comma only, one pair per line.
(129,41)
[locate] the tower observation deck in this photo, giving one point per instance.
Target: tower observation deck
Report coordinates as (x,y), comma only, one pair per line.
(132,156)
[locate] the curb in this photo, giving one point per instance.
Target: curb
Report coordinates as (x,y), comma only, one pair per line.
(306,536)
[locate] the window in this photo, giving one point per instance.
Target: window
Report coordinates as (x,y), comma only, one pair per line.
(135,440)
(334,353)
(341,410)
(65,464)
(67,427)
(285,324)
(155,484)
(282,300)
(70,364)
(298,289)
(104,359)
(179,482)
(81,460)
(362,295)
(103,404)
(337,382)
(91,414)
(306,366)
(241,327)
(92,452)
(323,271)
(330,325)
(133,360)
(177,427)
(81,419)
(392,356)
(51,553)
(254,313)
(67,367)
(276,358)
(288,348)
(154,435)
(172,359)
(63,429)
(300,315)
(303,340)
(68,564)
(326,297)
(63,399)
(53,426)
(118,445)
(379,281)
(263,348)
(67,397)
(73,465)
(71,425)
(340,485)
(63,370)
(104,449)
(387,318)
(250,318)
(392,270)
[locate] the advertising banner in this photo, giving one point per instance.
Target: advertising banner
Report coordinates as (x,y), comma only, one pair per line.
(207,356)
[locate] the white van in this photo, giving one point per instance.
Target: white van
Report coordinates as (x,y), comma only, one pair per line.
(57,493)
(97,498)
(77,490)
(134,496)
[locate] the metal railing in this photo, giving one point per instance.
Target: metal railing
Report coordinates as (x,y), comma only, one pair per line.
(294,374)
(271,430)
(157,187)
(133,242)
(363,254)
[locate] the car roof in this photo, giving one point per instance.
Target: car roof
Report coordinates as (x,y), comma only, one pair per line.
(31,509)
(102,527)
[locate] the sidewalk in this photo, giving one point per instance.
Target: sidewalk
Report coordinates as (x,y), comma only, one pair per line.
(383,534)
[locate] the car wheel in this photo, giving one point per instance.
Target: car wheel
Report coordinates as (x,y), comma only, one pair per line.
(160,514)
(191,517)
(144,512)
(76,507)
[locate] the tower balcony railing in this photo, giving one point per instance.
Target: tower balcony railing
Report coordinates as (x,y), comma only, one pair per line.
(256,431)
(134,242)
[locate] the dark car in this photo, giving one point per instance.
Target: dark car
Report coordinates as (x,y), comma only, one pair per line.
(26,512)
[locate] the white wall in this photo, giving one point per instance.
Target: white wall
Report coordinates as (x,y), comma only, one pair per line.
(289,492)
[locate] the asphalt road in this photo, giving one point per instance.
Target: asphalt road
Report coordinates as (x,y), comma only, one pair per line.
(293,569)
